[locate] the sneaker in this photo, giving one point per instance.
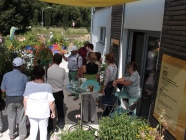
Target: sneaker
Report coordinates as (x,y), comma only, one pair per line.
(1,134)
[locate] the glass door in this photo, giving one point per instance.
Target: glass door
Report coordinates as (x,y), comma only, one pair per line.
(136,49)
(150,61)
(143,49)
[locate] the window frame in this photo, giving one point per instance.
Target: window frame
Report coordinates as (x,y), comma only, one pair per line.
(102,35)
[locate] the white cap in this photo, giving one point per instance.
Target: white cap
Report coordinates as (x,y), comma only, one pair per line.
(18,61)
(50,32)
(73,48)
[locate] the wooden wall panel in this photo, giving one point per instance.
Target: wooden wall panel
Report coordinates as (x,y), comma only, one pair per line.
(173,43)
(116,21)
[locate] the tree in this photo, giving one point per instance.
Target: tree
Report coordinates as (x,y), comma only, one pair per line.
(23,13)
(14,13)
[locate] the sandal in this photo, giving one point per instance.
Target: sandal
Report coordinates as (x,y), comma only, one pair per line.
(75,98)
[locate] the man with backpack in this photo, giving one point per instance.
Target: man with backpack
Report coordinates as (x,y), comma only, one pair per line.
(75,63)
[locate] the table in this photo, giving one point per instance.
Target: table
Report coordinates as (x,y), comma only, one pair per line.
(82,92)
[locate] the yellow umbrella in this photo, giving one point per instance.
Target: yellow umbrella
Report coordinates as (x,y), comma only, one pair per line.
(89,3)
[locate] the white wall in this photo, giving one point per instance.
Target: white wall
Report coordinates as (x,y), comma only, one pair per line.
(101,18)
(144,15)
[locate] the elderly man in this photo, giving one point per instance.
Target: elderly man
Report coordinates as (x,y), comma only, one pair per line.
(56,77)
(13,84)
(74,64)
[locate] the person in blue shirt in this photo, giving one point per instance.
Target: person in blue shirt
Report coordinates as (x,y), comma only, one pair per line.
(13,84)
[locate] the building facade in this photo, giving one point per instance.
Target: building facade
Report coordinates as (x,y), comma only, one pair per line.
(145,31)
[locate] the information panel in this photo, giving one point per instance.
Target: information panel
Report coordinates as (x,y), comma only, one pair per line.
(171,95)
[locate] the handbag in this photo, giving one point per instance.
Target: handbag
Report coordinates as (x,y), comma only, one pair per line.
(2,104)
(109,89)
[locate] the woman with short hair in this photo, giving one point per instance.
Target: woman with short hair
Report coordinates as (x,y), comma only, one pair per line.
(131,81)
(38,101)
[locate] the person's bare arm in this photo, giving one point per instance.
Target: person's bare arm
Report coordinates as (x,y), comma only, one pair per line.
(64,57)
(125,83)
(52,108)
(3,90)
(25,103)
(120,79)
(82,71)
(79,73)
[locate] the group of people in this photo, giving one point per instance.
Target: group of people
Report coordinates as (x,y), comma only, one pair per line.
(85,63)
(36,100)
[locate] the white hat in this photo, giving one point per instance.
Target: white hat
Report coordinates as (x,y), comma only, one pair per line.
(18,61)
(50,32)
(73,48)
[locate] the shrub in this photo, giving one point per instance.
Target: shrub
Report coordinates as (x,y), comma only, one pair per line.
(76,134)
(121,127)
(79,134)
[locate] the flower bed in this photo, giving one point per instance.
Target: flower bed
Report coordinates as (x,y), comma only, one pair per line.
(118,127)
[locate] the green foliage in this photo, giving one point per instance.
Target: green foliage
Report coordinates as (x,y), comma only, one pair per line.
(120,127)
(78,43)
(15,13)
(80,31)
(23,13)
(78,134)
(5,61)
(12,49)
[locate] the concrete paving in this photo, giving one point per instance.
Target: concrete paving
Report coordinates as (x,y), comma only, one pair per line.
(71,109)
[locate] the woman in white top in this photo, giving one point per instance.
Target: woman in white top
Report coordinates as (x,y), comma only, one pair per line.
(38,101)
(110,74)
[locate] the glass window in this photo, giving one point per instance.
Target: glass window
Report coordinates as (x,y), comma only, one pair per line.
(102,35)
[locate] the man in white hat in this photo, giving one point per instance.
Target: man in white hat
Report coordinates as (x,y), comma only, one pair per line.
(13,84)
(75,62)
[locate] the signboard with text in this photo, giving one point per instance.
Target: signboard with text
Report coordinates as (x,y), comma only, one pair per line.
(171,95)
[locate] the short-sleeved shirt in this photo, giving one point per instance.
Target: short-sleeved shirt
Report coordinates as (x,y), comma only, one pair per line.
(55,77)
(74,62)
(39,95)
(134,88)
(14,83)
(110,73)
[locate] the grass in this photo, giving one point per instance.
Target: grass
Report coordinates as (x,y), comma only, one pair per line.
(60,30)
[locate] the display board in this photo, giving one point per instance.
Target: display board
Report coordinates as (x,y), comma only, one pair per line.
(171,95)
